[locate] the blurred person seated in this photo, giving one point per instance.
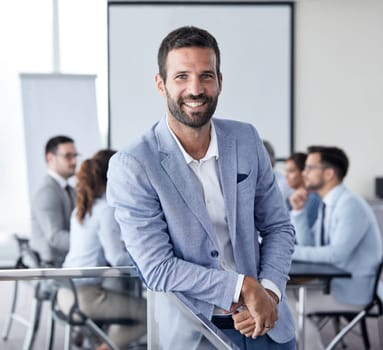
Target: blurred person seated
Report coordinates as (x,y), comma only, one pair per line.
(294,166)
(53,202)
(95,240)
(345,234)
(285,189)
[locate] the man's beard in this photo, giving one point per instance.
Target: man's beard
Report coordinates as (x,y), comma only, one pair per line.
(197,119)
(314,187)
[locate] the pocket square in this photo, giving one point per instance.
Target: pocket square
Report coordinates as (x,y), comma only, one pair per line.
(241,177)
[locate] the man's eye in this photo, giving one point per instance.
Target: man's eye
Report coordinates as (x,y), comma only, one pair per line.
(207,76)
(181,76)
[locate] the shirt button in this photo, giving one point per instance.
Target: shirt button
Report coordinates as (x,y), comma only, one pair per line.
(214,253)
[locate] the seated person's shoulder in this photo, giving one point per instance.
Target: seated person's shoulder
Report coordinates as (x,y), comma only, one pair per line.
(46,195)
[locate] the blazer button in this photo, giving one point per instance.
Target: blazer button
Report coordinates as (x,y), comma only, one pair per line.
(214,253)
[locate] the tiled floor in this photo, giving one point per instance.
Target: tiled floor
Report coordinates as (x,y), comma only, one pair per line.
(18,331)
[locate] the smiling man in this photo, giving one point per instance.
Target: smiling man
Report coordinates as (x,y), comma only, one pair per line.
(191,197)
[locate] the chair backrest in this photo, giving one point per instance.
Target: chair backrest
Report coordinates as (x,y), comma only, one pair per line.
(378,275)
(378,290)
(378,287)
(28,258)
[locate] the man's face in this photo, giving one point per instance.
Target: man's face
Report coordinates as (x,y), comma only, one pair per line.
(64,161)
(192,86)
(293,174)
(314,172)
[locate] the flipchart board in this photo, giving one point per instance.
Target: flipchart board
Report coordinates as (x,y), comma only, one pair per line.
(57,104)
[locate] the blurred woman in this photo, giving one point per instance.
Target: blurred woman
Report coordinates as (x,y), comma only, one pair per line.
(95,240)
(294,167)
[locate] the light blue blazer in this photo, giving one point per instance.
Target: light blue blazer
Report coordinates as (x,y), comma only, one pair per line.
(354,244)
(167,229)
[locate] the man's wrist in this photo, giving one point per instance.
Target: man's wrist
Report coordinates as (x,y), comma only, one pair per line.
(272,287)
(273,296)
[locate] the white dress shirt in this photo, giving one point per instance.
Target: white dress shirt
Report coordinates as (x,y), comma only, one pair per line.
(60,180)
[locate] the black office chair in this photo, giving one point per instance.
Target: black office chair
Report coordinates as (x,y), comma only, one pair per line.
(373,309)
(28,258)
(93,329)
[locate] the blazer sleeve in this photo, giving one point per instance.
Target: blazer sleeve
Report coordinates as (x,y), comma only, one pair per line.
(49,214)
(273,223)
(346,235)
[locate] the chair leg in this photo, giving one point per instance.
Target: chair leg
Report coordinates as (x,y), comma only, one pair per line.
(363,328)
(34,324)
(50,332)
(68,334)
(336,322)
(380,330)
(97,330)
(8,322)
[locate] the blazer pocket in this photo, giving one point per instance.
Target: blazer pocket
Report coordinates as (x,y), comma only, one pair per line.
(241,177)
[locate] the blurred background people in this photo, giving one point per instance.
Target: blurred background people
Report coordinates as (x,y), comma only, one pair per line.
(294,166)
(52,204)
(95,240)
(345,234)
(279,176)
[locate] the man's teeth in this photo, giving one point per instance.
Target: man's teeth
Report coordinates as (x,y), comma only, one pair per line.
(194,104)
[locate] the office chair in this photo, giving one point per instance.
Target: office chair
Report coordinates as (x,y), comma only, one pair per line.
(373,309)
(93,329)
(28,258)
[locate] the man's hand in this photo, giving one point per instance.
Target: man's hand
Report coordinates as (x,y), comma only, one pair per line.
(244,322)
(298,199)
(260,305)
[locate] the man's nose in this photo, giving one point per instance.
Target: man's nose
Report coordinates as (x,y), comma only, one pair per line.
(195,87)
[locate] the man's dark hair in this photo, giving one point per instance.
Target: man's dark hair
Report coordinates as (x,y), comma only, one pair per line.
(54,142)
(332,157)
(299,158)
(186,37)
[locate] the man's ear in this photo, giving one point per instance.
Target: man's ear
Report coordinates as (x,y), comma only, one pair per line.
(220,82)
(160,85)
(48,157)
(329,173)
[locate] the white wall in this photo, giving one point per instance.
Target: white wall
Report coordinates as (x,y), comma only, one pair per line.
(339,83)
(26,47)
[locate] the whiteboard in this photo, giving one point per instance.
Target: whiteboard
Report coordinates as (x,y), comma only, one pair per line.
(256,53)
(57,104)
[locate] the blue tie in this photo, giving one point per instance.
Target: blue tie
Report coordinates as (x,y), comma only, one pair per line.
(322,240)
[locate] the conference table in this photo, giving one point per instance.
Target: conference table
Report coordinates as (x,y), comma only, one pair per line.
(303,274)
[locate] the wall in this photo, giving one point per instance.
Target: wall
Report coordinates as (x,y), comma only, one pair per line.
(26,47)
(339,83)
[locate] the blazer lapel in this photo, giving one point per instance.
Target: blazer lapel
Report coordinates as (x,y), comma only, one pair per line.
(63,195)
(227,165)
(182,176)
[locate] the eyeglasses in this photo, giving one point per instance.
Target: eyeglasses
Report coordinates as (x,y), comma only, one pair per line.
(68,156)
(309,167)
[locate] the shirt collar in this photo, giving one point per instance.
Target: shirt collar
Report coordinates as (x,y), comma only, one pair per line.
(212,151)
(61,181)
(331,197)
